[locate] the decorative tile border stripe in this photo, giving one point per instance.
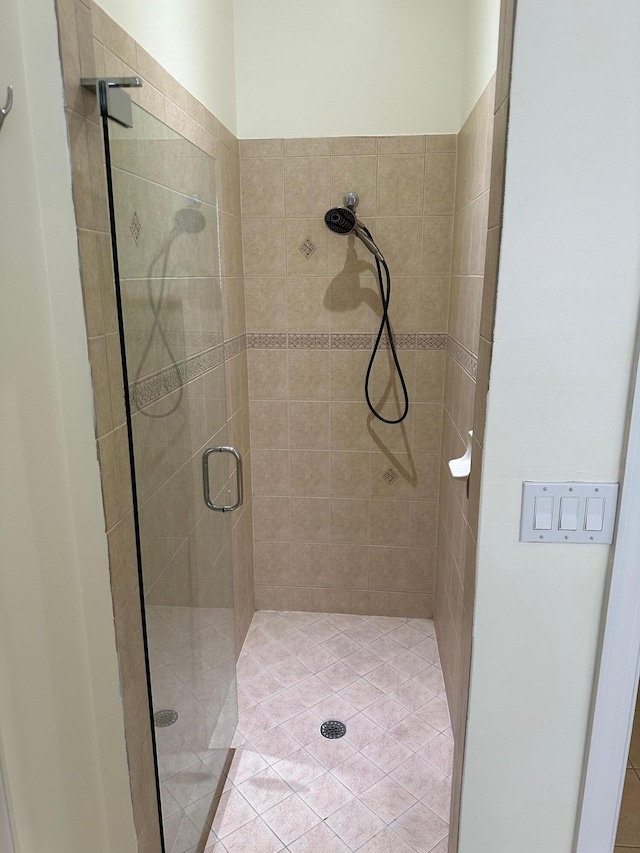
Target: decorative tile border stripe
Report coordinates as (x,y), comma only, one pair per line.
(309,341)
(351,341)
(235,346)
(461,355)
(431,341)
(156,386)
(264,340)
(152,388)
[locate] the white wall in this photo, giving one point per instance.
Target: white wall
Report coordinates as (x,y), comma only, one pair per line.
(303,68)
(480,51)
(193,40)
(60,711)
(309,68)
(564,340)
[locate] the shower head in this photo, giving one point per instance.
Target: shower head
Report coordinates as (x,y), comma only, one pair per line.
(341,220)
(188,220)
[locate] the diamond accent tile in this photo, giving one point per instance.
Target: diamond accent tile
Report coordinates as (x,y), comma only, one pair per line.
(135,226)
(390,475)
(307,248)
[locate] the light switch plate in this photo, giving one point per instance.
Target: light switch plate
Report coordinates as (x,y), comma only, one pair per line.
(564,514)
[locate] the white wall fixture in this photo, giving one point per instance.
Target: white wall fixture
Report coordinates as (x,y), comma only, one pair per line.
(461,467)
(569,512)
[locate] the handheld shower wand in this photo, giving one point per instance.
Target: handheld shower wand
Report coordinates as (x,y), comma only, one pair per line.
(343,220)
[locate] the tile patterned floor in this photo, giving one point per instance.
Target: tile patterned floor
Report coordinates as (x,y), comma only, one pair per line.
(383,788)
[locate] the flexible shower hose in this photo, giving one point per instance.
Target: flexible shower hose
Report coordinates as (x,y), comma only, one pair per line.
(385,296)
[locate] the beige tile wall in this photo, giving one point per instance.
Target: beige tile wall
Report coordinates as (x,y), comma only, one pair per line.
(467,282)
(331,533)
(91,44)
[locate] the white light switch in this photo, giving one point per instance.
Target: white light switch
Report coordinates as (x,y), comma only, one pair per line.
(569,512)
(543,514)
(594,514)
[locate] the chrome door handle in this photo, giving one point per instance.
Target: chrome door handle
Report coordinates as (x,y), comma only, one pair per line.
(205,478)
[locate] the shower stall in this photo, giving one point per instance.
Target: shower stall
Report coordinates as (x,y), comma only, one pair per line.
(163,204)
(248,325)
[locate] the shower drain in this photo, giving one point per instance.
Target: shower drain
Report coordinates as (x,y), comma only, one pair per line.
(165,718)
(333,729)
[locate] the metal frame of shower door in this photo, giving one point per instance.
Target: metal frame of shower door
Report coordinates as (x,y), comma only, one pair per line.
(618,668)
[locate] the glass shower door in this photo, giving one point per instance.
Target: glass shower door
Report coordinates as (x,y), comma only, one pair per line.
(166,224)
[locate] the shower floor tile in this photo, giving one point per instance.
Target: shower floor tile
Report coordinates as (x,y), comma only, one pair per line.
(384,787)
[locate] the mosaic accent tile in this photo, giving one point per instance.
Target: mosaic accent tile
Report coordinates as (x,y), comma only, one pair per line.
(135,226)
(390,475)
(309,341)
(435,341)
(401,341)
(261,340)
(307,248)
(467,360)
(235,346)
(269,340)
(152,388)
(351,341)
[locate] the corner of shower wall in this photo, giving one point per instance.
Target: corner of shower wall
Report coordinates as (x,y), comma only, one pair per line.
(478,229)
(452,613)
(91,45)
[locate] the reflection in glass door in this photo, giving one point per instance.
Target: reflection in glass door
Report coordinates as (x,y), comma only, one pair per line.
(164,199)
